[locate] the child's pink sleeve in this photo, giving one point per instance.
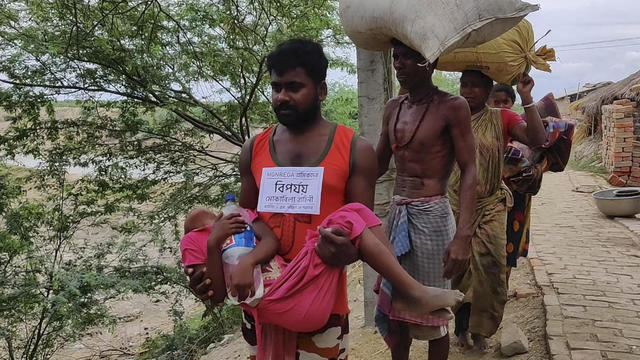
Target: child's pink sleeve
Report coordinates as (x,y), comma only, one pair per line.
(354,218)
(193,248)
(369,217)
(252,215)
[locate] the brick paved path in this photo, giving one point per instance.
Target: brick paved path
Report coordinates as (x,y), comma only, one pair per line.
(589,269)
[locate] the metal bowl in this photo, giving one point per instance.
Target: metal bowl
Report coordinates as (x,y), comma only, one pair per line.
(623,202)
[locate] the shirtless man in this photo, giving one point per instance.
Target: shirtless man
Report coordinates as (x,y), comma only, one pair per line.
(426,131)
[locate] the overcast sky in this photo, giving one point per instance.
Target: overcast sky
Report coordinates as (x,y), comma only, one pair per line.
(587,21)
(576,22)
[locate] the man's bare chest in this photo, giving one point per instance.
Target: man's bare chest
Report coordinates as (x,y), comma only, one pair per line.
(306,153)
(415,128)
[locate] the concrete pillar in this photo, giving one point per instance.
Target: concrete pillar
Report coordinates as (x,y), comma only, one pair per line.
(375,88)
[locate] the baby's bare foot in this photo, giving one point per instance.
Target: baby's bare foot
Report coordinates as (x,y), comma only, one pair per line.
(431,299)
(428,300)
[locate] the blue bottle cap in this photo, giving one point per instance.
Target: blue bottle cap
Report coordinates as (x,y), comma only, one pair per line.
(229,197)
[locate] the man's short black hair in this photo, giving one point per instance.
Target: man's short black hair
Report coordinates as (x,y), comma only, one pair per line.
(299,53)
(505,89)
(486,81)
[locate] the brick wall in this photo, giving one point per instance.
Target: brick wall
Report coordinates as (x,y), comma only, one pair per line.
(634,176)
(619,120)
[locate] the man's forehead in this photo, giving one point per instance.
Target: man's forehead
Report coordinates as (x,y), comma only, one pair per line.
(404,49)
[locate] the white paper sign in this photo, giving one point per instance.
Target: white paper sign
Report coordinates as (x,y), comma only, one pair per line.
(291,190)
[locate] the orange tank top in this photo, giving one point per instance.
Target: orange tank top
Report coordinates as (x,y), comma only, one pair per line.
(291,229)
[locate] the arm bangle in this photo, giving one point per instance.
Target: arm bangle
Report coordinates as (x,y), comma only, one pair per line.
(529,105)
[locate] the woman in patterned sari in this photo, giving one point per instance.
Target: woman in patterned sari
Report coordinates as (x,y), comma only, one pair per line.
(484,282)
(524,168)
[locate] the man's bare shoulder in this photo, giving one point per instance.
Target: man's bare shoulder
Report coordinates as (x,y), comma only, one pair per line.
(453,107)
(451,101)
(395,101)
(391,106)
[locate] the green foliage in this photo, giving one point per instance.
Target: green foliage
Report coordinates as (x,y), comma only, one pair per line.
(587,156)
(190,338)
(161,80)
(447,81)
(517,108)
(591,164)
(341,105)
(56,279)
(169,92)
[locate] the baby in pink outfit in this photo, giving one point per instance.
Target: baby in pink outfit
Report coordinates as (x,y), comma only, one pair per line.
(206,235)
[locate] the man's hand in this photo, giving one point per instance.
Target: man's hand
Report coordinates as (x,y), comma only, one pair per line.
(241,279)
(335,248)
(456,257)
(525,85)
(198,284)
(225,227)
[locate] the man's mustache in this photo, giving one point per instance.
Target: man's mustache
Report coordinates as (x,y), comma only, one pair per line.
(285,108)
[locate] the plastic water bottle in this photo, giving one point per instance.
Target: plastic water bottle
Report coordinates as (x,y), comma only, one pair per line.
(236,246)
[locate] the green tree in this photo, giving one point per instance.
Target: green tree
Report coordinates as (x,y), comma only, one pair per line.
(447,81)
(341,105)
(56,279)
(168,91)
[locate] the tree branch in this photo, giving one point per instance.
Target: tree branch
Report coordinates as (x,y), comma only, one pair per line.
(252,92)
(81,88)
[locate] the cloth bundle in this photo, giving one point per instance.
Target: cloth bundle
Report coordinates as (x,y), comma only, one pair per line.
(523,167)
(503,58)
(431,27)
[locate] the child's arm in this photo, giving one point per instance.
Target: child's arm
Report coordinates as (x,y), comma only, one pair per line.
(265,250)
(222,230)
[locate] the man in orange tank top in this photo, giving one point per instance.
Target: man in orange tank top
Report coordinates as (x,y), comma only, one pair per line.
(304,139)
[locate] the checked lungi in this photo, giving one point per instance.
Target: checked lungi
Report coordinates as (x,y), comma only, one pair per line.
(420,231)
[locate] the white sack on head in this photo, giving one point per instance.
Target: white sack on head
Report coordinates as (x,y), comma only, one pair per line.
(432,27)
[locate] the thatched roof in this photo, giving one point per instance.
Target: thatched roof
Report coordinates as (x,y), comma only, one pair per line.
(591,104)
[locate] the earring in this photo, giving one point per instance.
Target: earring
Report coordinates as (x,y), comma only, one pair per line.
(425,64)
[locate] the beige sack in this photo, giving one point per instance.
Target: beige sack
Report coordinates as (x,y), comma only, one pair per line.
(432,27)
(503,58)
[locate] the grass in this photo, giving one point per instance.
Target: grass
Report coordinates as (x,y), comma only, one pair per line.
(592,165)
(587,156)
(191,337)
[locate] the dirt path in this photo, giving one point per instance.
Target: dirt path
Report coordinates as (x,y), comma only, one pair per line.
(367,344)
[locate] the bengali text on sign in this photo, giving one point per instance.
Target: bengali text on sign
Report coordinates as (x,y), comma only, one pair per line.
(291,190)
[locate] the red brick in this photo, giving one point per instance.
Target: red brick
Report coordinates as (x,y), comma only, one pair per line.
(615,180)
